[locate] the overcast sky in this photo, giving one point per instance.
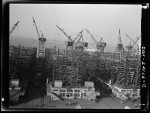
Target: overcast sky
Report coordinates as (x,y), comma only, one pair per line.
(99,19)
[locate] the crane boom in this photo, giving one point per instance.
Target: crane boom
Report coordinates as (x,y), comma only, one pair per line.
(100,39)
(77,36)
(69,38)
(92,36)
(82,38)
(36,28)
(130,39)
(136,41)
(15,25)
(79,39)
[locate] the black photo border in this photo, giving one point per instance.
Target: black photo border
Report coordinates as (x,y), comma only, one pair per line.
(5,53)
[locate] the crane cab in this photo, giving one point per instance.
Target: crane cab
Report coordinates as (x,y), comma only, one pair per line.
(42,39)
(85,44)
(69,43)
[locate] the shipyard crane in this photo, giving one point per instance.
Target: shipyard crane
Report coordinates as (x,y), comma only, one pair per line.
(62,30)
(99,45)
(38,33)
(132,39)
(134,43)
(71,42)
(92,37)
(42,40)
(11,31)
(80,43)
(84,44)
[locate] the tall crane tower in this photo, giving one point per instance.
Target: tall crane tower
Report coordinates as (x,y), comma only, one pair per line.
(42,40)
(120,45)
(99,45)
(13,28)
(70,42)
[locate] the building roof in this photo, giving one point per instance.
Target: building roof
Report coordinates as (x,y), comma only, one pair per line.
(123,87)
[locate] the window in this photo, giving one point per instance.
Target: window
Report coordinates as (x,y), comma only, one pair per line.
(123,91)
(85,90)
(67,95)
(71,94)
(70,91)
(63,94)
(55,90)
(77,95)
(77,90)
(62,90)
(84,94)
